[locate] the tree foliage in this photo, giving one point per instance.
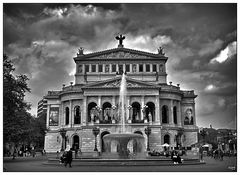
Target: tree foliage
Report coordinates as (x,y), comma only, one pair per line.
(16,119)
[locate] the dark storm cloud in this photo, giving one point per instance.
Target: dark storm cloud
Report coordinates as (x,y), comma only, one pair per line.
(43,38)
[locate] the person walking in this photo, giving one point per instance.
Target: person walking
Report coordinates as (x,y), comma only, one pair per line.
(68,158)
(201,154)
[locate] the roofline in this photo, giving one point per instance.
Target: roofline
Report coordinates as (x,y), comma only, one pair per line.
(84,56)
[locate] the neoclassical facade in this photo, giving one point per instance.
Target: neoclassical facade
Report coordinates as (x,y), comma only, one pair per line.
(92,101)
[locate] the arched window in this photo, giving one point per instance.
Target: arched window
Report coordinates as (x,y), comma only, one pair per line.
(166,139)
(175,115)
(150,111)
(136,112)
(66,115)
(107,112)
(77,115)
(92,111)
(164,114)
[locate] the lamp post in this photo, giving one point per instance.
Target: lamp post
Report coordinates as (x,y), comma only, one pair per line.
(95,131)
(148,132)
(63,134)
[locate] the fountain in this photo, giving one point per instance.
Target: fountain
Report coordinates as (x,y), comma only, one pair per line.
(123,145)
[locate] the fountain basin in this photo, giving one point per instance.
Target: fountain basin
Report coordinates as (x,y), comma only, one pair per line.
(124,146)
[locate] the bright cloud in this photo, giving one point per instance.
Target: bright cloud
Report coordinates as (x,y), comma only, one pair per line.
(226,53)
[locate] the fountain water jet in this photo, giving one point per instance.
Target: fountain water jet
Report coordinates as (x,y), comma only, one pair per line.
(122,102)
(117,145)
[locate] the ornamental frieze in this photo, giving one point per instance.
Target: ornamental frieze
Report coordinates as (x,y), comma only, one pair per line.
(118,82)
(122,55)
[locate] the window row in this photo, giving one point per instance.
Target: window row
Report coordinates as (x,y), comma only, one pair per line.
(120,68)
(137,114)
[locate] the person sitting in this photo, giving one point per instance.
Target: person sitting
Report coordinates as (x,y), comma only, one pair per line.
(63,158)
(174,157)
(179,160)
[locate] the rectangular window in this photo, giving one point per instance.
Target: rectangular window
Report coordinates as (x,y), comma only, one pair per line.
(127,68)
(154,68)
(86,68)
(93,68)
(113,67)
(134,68)
(140,68)
(147,67)
(100,68)
(120,68)
(107,68)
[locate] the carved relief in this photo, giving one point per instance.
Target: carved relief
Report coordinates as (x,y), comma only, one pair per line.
(118,82)
(122,55)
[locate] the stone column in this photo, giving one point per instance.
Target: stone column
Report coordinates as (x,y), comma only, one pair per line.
(117,68)
(157,112)
(171,112)
(62,116)
(103,68)
(85,115)
(142,104)
(114,104)
(194,115)
(48,112)
(151,67)
(90,67)
(71,111)
(144,67)
(131,68)
(110,68)
(124,68)
(179,113)
(97,67)
(99,104)
(127,110)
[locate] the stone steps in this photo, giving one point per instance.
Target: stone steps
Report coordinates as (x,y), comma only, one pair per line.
(124,162)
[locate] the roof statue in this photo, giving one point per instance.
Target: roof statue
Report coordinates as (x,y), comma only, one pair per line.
(120,38)
(80,51)
(160,51)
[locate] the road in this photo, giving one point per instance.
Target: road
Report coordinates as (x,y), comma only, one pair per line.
(36,165)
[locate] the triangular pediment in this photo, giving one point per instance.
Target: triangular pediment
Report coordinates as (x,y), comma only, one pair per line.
(116,82)
(120,53)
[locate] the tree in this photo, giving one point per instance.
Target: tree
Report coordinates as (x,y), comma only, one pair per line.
(16,119)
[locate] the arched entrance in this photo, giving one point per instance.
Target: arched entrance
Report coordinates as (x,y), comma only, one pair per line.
(136,112)
(75,142)
(134,143)
(150,111)
(166,139)
(102,143)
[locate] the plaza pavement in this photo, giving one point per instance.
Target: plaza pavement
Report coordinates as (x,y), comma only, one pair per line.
(30,164)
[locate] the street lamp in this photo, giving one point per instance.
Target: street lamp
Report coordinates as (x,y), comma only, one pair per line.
(95,131)
(63,134)
(148,132)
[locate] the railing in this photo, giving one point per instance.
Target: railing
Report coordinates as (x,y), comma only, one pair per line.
(169,87)
(51,93)
(71,88)
(188,93)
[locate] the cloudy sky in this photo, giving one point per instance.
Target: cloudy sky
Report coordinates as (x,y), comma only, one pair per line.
(199,39)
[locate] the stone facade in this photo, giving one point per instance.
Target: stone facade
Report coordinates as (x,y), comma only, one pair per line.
(92,101)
